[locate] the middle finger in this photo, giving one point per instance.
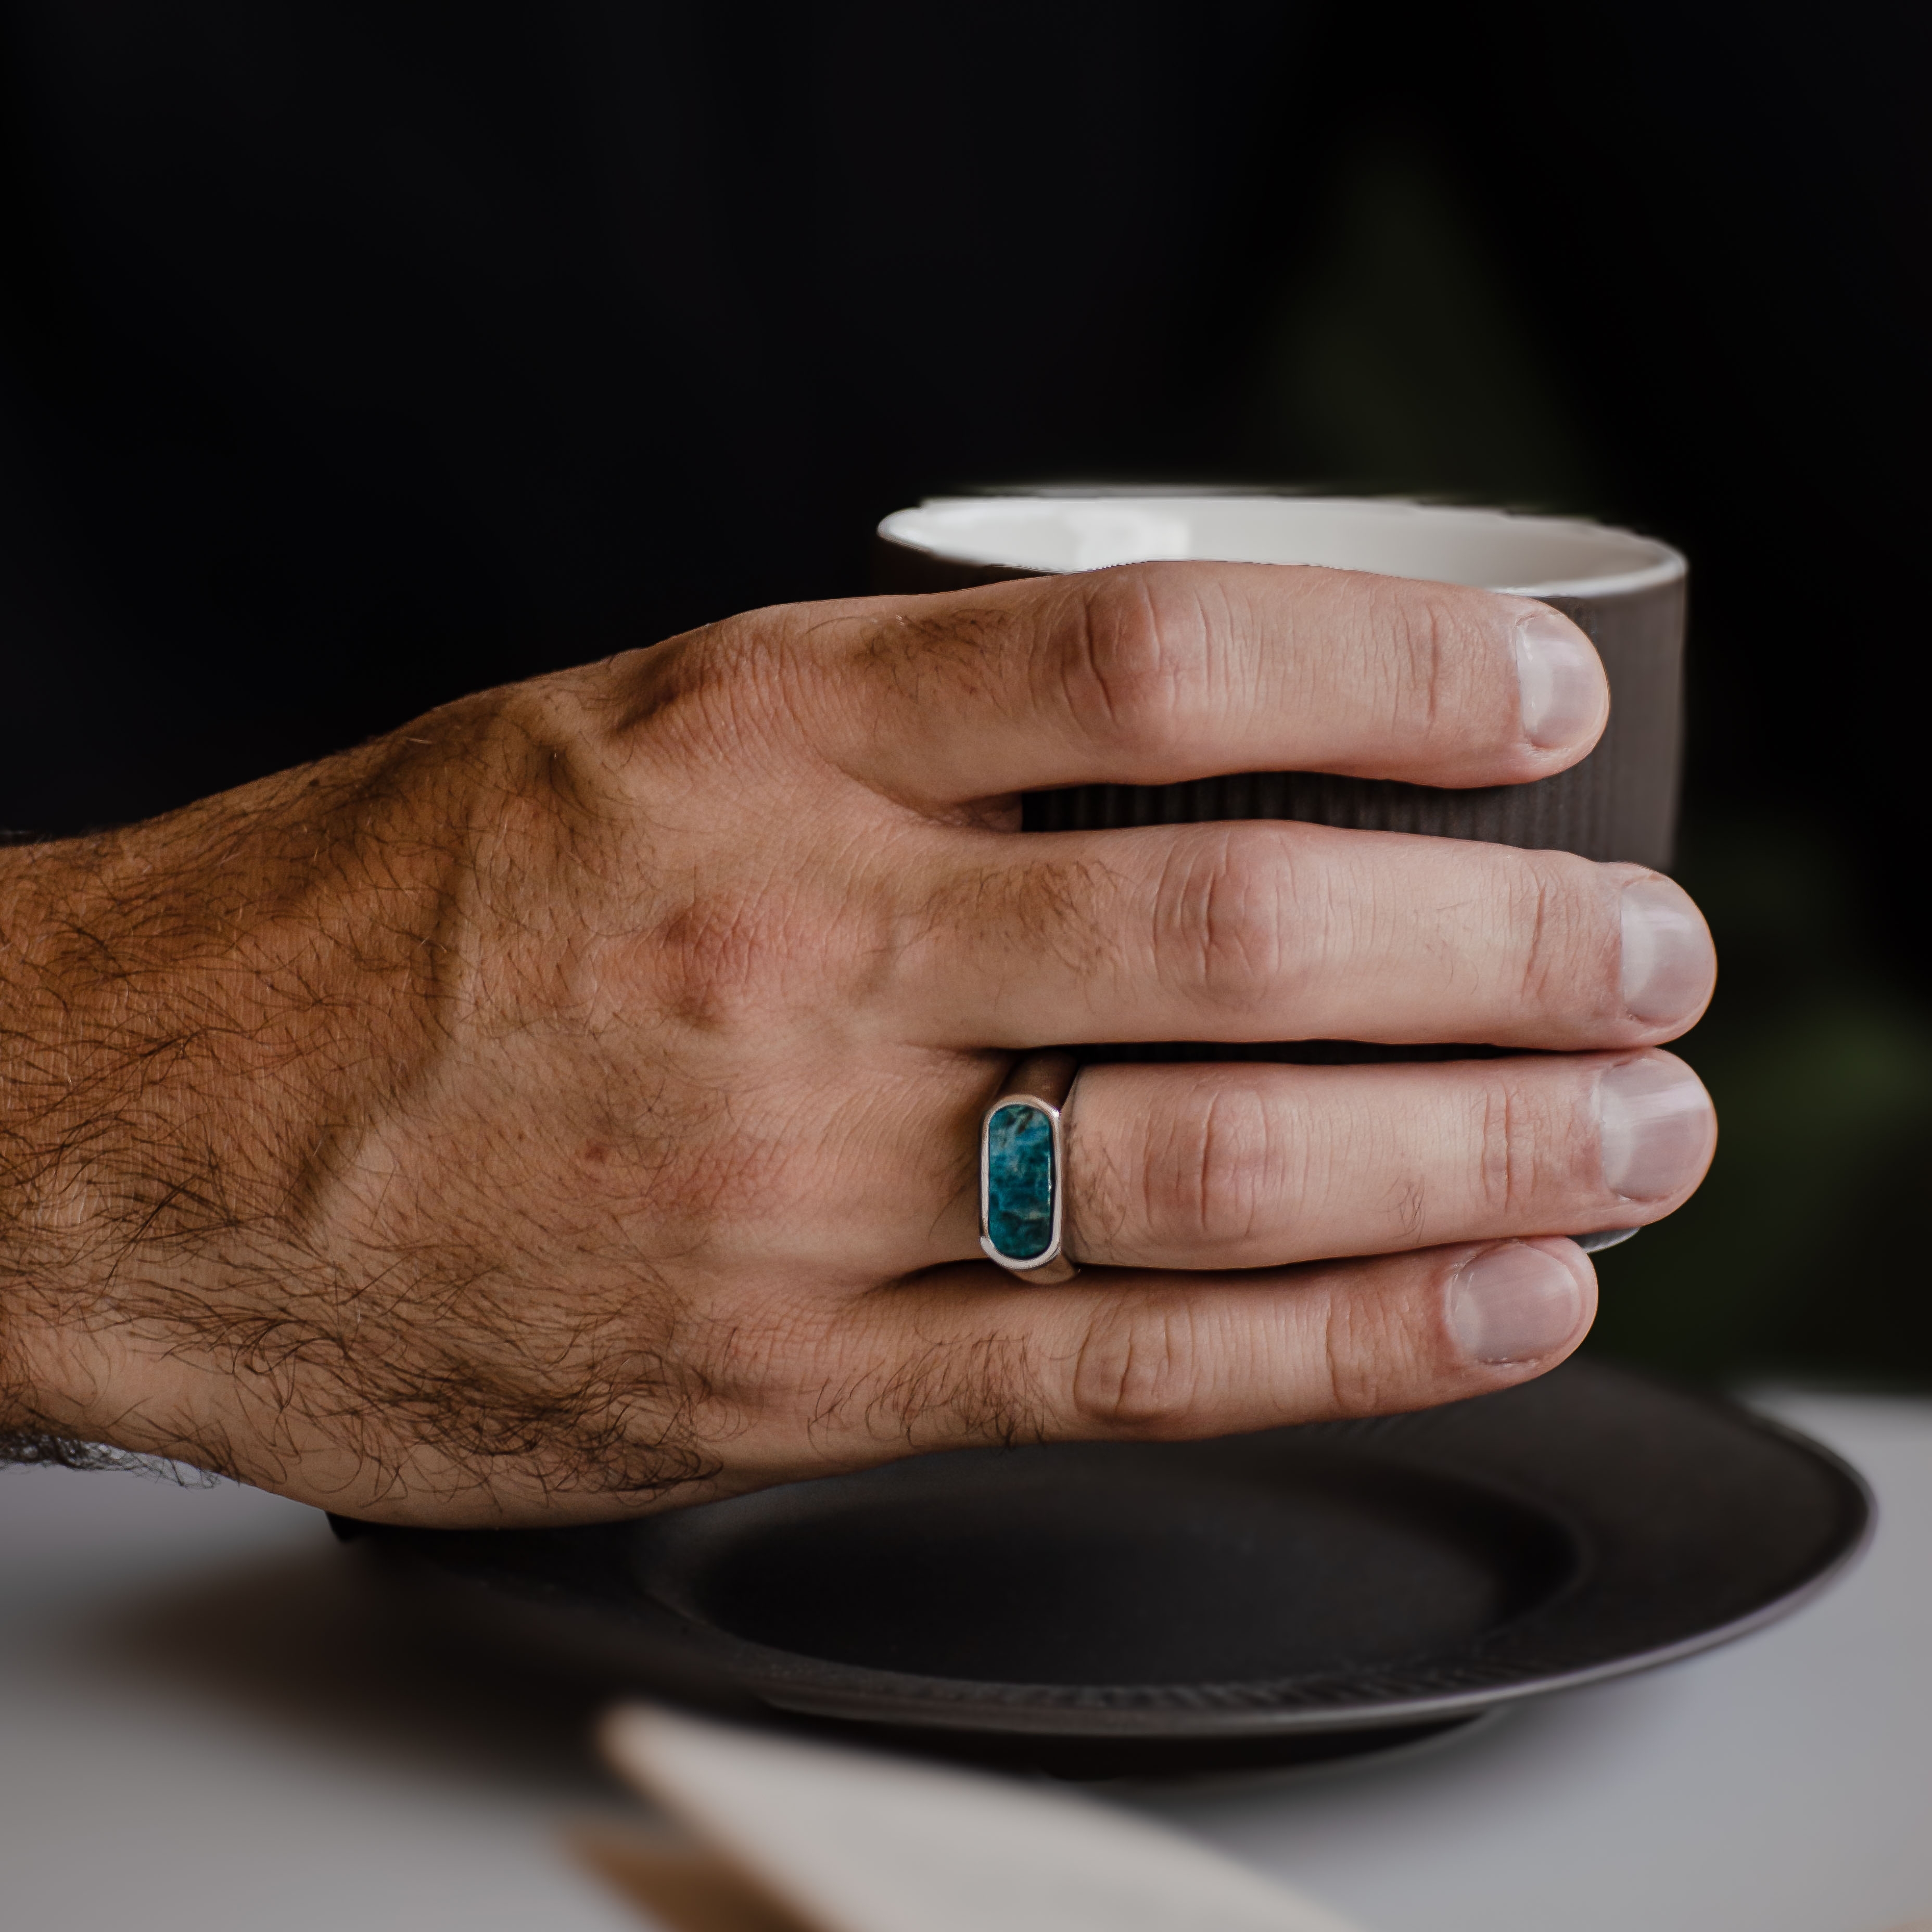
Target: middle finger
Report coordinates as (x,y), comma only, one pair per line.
(1272,931)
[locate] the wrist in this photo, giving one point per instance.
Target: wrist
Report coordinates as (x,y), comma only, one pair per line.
(95,1154)
(186,1013)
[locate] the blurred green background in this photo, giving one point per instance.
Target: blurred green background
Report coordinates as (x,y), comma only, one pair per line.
(1407,358)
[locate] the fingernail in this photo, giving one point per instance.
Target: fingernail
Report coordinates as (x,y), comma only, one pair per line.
(1667,958)
(1654,1121)
(1511,1303)
(1558,679)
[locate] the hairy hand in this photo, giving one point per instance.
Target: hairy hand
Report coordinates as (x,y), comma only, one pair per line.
(568,1106)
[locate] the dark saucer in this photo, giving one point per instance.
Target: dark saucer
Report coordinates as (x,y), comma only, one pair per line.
(1112,1609)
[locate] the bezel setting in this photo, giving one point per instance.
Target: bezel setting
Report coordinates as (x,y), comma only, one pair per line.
(1032,1265)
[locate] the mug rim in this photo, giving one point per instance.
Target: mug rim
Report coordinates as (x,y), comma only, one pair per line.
(1149,521)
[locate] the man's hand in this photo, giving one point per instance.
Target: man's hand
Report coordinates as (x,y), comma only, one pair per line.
(568,1106)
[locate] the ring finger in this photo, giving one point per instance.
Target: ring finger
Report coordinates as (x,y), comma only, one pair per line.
(1226,1166)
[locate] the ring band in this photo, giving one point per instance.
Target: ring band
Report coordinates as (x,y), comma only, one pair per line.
(1023,1169)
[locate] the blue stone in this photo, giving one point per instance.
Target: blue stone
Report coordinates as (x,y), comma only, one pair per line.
(1019,1182)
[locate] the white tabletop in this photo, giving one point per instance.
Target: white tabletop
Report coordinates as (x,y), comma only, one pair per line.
(205,1724)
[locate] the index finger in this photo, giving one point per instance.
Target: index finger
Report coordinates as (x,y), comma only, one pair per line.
(1156,673)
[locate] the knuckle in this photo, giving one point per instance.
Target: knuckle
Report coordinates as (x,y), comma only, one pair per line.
(1370,1360)
(1425,670)
(1140,1371)
(1124,667)
(1512,1147)
(1207,1183)
(1219,932)
(713,951)
(711,687)
(1567,953)
(731,958)
(1446,680)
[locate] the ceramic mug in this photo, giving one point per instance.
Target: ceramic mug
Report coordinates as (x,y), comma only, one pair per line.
(1626,591)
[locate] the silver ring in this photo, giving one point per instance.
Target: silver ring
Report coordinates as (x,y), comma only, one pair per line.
(1023,1170)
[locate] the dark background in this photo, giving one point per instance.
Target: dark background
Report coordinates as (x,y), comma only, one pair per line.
(352,357)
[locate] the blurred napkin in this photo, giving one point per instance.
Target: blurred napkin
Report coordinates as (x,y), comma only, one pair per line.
(842,1840)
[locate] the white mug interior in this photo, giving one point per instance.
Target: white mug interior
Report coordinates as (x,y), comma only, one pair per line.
(1495,550)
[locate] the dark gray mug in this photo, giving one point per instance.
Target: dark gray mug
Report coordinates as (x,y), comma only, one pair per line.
(1626,591)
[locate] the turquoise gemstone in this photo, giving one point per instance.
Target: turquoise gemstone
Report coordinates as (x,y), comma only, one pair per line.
(1020,1182)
